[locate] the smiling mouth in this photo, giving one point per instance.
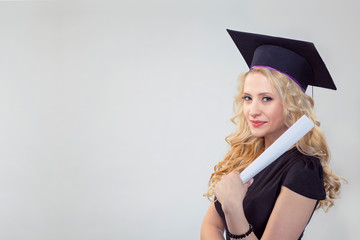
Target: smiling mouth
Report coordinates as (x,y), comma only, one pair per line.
(256,123)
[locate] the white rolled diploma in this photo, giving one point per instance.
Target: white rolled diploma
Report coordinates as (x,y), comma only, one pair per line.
(291,136)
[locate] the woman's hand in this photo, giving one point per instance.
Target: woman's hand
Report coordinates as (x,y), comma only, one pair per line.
(230,191)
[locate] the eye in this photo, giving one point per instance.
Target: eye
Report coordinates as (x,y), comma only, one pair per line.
(267,99)
(246,98)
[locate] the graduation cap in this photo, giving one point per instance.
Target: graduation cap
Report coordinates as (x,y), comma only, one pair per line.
(298,60)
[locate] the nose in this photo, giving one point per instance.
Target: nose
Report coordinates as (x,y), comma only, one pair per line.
(254,109)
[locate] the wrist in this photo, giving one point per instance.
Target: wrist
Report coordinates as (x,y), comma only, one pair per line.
(240,236)
(231,208)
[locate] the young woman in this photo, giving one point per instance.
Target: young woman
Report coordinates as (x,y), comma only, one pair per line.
(278,202)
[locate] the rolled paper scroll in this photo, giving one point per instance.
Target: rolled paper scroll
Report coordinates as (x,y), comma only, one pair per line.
(291,136)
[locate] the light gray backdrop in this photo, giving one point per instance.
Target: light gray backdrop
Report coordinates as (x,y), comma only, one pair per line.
(113,113)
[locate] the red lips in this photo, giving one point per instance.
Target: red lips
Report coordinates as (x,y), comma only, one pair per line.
(257,123)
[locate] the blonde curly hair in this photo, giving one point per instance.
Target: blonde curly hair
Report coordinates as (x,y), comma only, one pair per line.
(245,148)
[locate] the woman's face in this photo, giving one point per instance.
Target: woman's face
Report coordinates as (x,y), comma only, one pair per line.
(263,108)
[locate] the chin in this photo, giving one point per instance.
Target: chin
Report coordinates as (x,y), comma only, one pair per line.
(257,134)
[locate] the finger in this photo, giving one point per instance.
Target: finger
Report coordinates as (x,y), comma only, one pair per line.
(248,184)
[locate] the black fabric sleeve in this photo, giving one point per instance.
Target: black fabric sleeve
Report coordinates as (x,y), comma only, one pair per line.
(305,177)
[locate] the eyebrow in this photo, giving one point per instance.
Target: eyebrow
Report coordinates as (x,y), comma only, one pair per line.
(262,93)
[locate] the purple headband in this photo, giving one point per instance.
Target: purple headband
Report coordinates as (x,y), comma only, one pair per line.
(280,72)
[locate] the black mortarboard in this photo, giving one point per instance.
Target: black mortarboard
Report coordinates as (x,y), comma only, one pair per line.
(297,59)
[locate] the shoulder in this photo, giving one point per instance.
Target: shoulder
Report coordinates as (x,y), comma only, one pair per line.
(304,163)
(305,176)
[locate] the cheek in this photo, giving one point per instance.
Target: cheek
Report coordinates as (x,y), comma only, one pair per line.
(245,111)
(278,114)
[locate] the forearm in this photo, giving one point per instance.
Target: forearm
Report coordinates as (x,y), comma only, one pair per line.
(237,223)
(230,192)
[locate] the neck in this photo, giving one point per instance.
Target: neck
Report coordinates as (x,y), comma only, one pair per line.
(268,140)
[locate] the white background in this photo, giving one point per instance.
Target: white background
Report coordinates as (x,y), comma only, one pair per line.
(113,113)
